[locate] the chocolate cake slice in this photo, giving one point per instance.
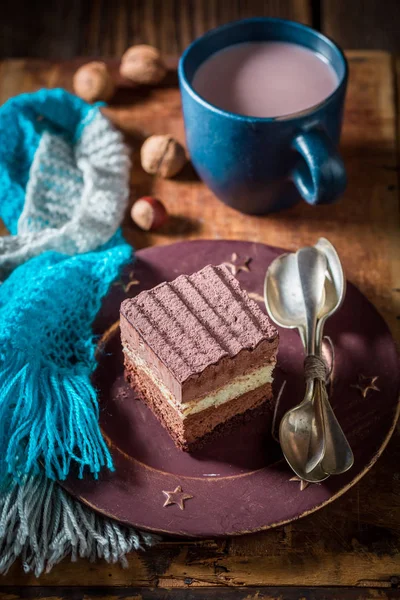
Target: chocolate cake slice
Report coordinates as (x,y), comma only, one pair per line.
(200,353)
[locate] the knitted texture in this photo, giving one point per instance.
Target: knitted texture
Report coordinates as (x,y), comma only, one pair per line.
(77,189)
(48,407)
(64,175)
(42,524)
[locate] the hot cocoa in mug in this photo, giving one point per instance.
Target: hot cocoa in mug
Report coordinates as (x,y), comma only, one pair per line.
(263,103)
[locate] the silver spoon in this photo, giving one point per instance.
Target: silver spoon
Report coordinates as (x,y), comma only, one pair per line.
(296,431)
(284,268)
(335,286)
(283,296)
(284,302)
(338,456)
(312,266)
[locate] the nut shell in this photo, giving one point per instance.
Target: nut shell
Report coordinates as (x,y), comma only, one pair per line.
(93,82)
(162,155)
(149,213)
(143,64)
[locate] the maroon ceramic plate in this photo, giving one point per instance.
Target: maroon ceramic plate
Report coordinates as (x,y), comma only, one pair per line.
(239,483)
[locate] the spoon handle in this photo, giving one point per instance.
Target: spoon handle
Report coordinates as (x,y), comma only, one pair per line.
(317,447)
(318,336)
(311,265)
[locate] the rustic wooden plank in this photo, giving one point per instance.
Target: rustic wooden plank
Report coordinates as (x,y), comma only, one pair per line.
(356,540)
(68,28)
(43,29)
(362,24)
(173,25)
(218,593)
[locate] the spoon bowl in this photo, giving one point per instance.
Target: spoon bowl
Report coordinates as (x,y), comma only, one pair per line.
(338,457)
(283,295)
(297,432)
(282,292)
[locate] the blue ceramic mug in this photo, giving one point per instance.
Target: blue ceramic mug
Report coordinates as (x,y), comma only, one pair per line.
(261,165)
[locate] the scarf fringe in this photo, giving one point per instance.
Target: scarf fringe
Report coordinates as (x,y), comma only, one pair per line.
(41,524)
(48,418)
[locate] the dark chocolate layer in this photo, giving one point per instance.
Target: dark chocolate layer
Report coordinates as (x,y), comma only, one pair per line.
(191,432)
(260,412)
(197,321)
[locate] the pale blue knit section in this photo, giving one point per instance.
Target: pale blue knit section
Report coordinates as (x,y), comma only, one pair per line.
(55,186)
(23,120)
(76,194)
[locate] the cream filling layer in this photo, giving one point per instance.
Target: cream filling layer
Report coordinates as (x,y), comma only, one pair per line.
(239,386)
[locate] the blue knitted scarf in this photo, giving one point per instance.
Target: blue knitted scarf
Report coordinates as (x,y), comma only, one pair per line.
(64,174)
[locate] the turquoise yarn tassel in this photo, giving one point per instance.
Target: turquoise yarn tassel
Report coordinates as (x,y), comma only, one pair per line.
(49,415)
(48,407)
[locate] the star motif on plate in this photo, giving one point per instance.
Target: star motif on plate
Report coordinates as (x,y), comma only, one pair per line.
(177,497)
(131,282)
(365,384)
(303,484)
(235,268)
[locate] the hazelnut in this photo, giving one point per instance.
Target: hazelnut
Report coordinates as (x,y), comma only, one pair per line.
(143,64)
(162,155)
(149,213)
(93,82)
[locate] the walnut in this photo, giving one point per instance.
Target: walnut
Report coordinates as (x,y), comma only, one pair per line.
(162,155)
(93,82)
(143,64)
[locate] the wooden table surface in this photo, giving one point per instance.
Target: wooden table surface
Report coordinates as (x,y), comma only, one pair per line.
(351,548)
(69,28)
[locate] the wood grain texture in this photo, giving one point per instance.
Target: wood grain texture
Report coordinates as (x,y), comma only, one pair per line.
(43,28)
(69,28)
(362,23)
(212,593)
(356,540)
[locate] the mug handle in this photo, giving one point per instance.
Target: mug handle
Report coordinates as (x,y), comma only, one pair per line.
(319,176)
